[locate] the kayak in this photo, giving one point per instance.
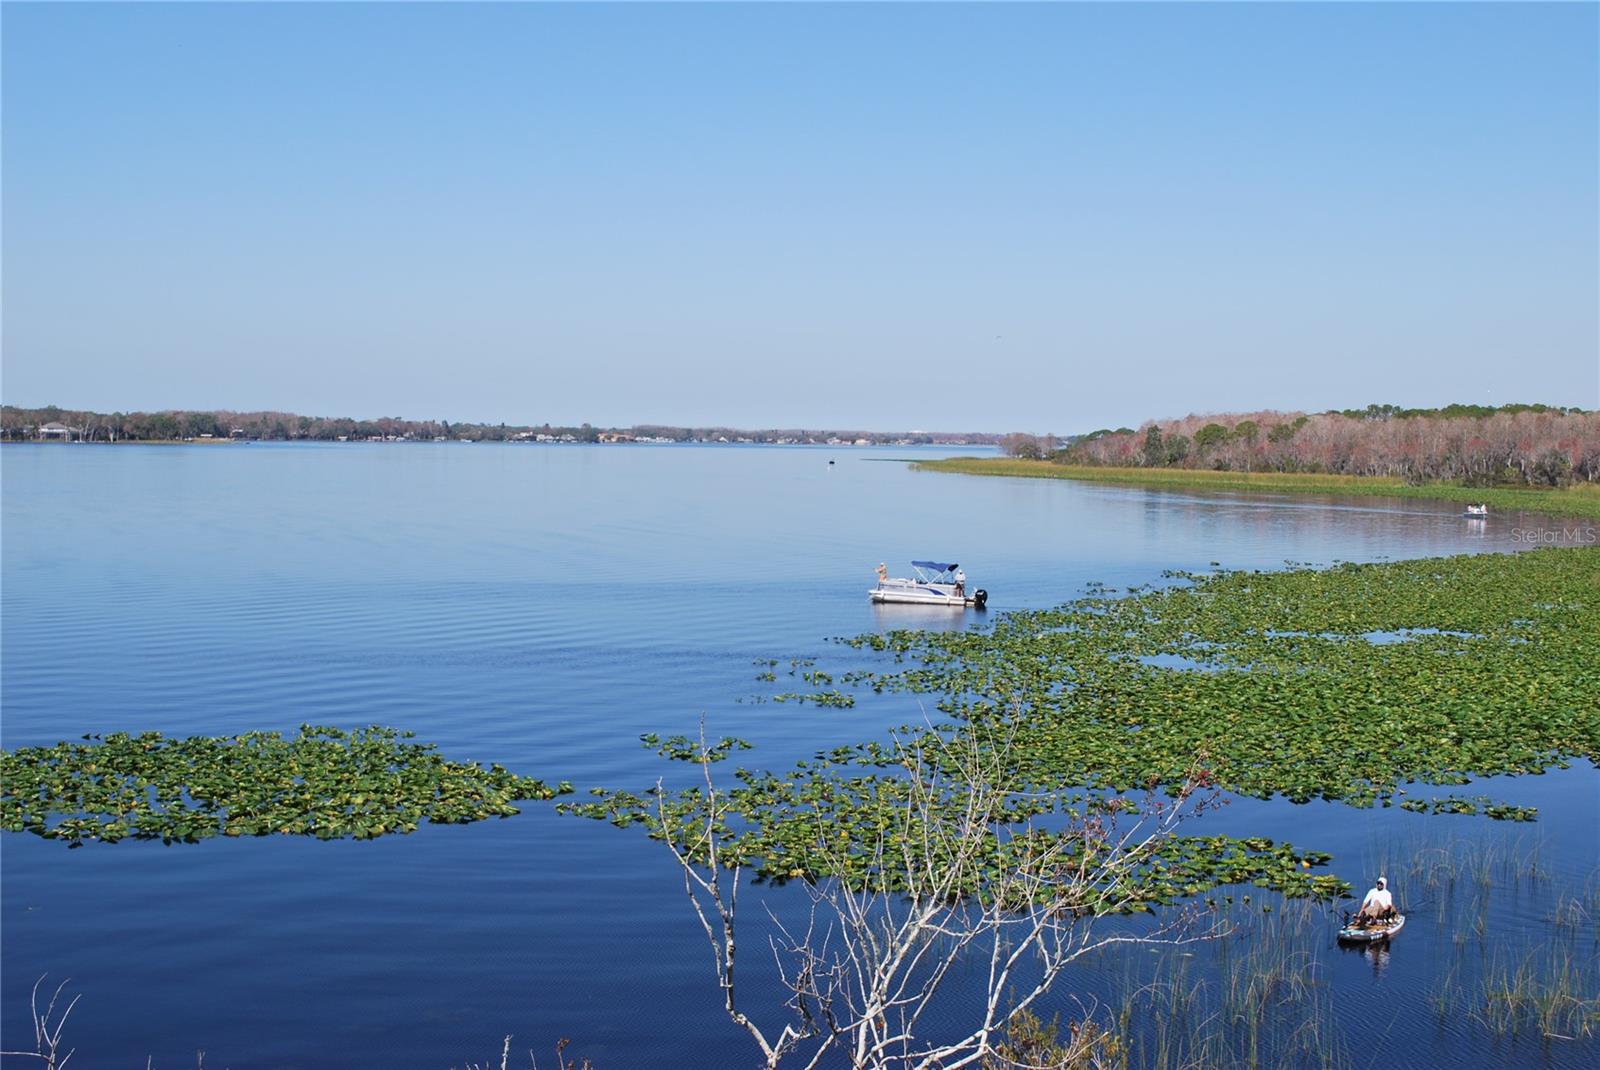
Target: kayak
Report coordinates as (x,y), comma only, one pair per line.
(1376,932)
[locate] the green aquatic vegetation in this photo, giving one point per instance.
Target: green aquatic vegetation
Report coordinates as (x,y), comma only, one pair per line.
(1451,804)
(1495,670)
(825,818)
(831,697)
(686,749)
(1481,804)
(324,782)
(1499,673)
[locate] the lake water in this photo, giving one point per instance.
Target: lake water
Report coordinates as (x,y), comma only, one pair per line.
(541,607)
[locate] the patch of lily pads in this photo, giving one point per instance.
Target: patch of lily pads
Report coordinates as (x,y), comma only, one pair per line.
(1455,804)
(825,818)
(1089,704)
(324,782)
(1499,674)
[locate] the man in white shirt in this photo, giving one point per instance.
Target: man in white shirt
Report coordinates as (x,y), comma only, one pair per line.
(1378,903)
(961,582)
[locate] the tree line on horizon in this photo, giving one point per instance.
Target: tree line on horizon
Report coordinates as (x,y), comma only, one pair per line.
(17,423)
(1479,445)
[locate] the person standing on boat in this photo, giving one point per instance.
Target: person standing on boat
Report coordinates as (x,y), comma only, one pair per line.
(1378,904)
(883,573)
(961,583)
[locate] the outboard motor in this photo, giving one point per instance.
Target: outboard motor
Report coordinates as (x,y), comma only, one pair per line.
(980,598)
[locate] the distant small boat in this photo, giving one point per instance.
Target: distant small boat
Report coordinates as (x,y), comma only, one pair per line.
(936,584)
(1366,934)
(1476,512)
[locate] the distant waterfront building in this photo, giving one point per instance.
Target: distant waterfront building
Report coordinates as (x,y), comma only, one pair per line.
(54,432)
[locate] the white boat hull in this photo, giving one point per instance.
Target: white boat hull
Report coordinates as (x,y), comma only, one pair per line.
(919,594)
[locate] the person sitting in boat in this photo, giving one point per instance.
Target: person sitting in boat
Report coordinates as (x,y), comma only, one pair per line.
(961,583)
(1378,905)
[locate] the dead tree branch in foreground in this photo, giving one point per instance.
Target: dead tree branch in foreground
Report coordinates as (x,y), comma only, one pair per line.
(954,879)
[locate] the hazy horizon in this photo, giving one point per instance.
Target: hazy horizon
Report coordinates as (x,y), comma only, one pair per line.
(1046,218)
(724,426)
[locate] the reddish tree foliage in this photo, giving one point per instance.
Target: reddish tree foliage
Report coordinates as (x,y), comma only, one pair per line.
(1537,445)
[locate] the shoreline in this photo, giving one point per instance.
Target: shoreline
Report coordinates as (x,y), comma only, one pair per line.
(1584,502)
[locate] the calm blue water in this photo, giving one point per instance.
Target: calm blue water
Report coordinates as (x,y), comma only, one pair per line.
(541,607)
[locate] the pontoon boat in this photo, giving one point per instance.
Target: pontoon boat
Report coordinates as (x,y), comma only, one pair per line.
(936,584)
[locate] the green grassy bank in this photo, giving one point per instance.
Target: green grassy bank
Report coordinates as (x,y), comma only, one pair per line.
(1581,501)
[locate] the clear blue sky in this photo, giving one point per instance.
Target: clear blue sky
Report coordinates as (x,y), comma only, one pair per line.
(1018,217)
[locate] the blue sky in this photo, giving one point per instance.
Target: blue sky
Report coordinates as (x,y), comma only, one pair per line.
(986,217)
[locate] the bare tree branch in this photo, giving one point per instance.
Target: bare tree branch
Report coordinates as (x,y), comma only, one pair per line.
(48,1027)
(964,870)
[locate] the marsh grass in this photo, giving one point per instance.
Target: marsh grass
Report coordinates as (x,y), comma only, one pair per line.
(1433,868)
(1537,974)
(1259,998)
(1445,995)
(1521,965)
(1549,992)
(1578,914)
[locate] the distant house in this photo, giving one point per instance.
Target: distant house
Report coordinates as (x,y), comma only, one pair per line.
(54,432)
(237,432)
